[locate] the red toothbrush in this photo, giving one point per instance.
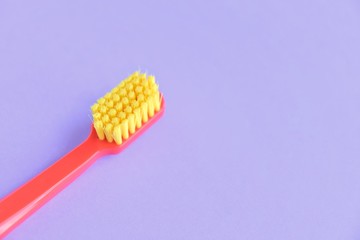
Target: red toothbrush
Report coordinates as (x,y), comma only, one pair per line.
(119,118)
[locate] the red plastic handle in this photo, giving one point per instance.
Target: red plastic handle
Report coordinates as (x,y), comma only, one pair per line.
(20,204)
(16,207)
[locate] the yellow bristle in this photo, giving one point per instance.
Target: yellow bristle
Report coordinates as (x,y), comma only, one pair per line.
(94,108)
(105,119)
(154,88)
(109,103)
(134,104)
(103,109)
(126,108)
(131,119)
(115,121)
(131,95)
(117,134)
(107,96)
(122,92)
(101,101)
(140,97)
(115,90)
(112,112)
(129,87)
(145,84)
(136,81)
(138,89)
(96,116)
(122,84)
(142,77)
(151,108)
(151,79)
(125,101)
(138,119)
(121,115)
(116,97)
(108,132)
(99,127)
(125,128)
(147,92)
(144,112)
(118,106)
(157,101)
(135,74)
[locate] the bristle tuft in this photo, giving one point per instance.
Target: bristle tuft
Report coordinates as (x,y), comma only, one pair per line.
(126,108)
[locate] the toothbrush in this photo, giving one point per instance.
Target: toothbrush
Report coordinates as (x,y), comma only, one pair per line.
(119,117)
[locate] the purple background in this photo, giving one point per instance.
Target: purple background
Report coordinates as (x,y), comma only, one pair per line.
(261,137)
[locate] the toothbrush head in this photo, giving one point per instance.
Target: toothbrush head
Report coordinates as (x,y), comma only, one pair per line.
(127,109)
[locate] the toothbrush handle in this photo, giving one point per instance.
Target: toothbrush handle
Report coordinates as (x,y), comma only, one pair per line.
(20,204)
